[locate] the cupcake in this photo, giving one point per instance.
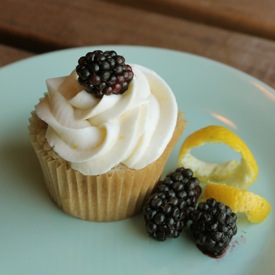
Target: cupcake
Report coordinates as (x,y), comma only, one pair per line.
(103,135)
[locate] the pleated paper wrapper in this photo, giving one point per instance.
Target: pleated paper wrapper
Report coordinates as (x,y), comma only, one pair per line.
(115,195)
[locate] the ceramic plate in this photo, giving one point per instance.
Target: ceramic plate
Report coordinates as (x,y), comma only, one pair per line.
(38,238)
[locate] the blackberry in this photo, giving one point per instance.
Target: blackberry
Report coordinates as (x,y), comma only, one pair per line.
(168,208)
(213,226)
(104,73)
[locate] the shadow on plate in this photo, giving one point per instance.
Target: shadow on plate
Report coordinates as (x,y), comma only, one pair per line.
(20,166)
(138,226)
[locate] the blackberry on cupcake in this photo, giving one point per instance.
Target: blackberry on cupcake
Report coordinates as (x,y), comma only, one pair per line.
(104,73)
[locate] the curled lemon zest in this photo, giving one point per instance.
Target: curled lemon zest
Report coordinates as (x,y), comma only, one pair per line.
(239,174)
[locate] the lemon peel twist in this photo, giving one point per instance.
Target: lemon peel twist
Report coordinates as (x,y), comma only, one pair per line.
(255,207)
(240,175)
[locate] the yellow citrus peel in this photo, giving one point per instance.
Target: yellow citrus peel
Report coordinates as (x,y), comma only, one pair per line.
(240,175)
(255,207)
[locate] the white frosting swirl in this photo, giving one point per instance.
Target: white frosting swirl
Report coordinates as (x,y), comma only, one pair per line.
(95,135)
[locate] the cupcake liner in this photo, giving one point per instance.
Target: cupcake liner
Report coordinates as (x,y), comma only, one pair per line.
(115,195)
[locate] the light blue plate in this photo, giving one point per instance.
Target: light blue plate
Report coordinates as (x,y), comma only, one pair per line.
(38,238)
